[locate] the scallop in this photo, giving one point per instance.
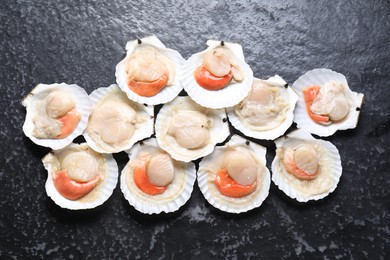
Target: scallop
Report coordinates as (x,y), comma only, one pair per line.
(56,114)
(79,178)
(306,168)
(161,171)
(267,112)
(245,164)
(149,74)
(223,69)
(188,131)
(117,123)
(174,178)
(306,158)
(326,103)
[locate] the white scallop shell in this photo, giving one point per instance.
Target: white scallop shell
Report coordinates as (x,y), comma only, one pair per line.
(213,162)
(149,204)
(143,130)
(226,97)
(83,106)
(218,133)
(270,134)
(319,77)
(167,93)
(105,187)
(300,189)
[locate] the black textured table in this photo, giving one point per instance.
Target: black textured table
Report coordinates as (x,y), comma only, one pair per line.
(57,41)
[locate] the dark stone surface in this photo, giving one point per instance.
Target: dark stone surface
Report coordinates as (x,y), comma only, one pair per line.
(59,41)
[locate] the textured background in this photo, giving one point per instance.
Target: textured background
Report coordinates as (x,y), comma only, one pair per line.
(81,42)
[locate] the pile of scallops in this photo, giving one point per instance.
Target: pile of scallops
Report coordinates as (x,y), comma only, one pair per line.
(160,174)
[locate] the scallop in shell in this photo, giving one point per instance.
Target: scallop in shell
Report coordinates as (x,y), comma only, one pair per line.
(326,103)
(78,177)
(153,182)
(267,112)
(149,74)
(306,168)
(56,114)
(245,164)
(222,71)
(188,131)
(116,122)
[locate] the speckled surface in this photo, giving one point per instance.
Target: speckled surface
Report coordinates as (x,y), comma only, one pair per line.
(58,41)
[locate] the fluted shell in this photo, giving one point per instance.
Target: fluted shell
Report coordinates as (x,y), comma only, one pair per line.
(168,92)
(112,96)
(108,171)
(329,167)
(284,100)
(178,191)
(229,95)
(320,77)
(36,99)
(210,164)
(218,129)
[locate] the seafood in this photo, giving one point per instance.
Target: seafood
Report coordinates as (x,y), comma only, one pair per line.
(305,168)
(218,69)
(116,122)
(217,77)
(149,74)
(234,178)
(56,114)
(79,177)
(188,131)
(153,182)
(267,112)
(326,103)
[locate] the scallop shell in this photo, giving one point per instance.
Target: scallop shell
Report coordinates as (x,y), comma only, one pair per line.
(167,93)
(319,77)
(143,130)
(101,192)
(226,97)
(305,190)
(270,134)
(212,163)
(83,106)
(218,133)
(176,195)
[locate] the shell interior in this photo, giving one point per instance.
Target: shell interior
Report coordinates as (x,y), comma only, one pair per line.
(305,190)
(270,134)
(168,92)
(144,125)
(100,194)
(177,193)
(31,101)
(218,133)
(320,77)
(226,97)
(210,164)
